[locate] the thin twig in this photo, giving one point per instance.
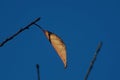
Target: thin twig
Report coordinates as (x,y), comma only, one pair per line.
(38,73)
(93,60)
(18,32)
(39,27)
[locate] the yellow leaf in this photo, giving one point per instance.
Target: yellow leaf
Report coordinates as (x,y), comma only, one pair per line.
(58,45)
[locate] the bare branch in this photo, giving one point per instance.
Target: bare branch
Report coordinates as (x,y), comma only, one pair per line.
(93,60)
(18,32)
(38,73)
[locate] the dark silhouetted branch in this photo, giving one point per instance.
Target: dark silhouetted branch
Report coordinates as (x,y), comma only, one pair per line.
(38,73)
(93,60)
(18,32)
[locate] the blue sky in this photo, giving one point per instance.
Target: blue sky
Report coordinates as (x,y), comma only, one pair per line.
(80,23)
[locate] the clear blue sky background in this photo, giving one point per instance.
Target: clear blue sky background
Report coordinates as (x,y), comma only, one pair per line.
(80,23)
